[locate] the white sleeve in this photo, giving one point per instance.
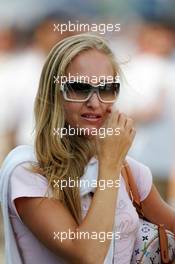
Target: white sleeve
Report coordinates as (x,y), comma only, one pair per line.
(24,183)
(142,176)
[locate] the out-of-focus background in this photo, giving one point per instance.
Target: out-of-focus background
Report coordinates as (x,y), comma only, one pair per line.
(144,47)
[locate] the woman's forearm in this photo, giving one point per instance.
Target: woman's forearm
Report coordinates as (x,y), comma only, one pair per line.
(101,214)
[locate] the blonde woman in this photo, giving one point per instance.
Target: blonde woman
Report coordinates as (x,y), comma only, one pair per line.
(38,206)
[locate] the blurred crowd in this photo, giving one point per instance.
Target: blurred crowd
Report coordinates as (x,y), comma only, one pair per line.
(145,50)
(22,56)
(148,95)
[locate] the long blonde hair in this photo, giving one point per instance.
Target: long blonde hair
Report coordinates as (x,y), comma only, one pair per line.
(62,158)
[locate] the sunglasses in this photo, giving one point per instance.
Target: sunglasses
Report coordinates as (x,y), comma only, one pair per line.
(81,92)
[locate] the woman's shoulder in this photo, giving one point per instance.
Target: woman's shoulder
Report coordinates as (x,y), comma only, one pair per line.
(26,171)
(142,176)
(25,182)
(137,167)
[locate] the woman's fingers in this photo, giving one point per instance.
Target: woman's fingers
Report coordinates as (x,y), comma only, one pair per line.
(122,120)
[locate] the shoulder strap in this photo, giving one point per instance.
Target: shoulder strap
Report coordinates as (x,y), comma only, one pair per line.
(132,188)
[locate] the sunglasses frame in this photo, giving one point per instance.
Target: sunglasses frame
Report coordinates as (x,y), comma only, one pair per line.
(64,88)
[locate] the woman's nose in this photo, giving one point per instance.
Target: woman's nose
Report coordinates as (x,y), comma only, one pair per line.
(93,100)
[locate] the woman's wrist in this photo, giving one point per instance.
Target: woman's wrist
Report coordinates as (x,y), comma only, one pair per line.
(108,170)
(110,163)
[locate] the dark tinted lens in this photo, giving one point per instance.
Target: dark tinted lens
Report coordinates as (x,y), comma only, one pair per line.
(109,91)
(77,90)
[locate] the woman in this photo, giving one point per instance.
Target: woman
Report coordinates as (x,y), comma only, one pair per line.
(39,207)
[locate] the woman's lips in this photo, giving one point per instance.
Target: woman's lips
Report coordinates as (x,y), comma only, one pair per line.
(92,117)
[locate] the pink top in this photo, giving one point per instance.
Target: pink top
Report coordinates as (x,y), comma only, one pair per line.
(23,183)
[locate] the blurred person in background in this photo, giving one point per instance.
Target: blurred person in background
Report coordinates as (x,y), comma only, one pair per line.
(149,94)
(7,44)
(19,80)
(8,49)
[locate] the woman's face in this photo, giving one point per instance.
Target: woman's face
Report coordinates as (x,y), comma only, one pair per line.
(92,113)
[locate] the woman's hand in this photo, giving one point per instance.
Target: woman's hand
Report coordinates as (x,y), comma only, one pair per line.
(113,148)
